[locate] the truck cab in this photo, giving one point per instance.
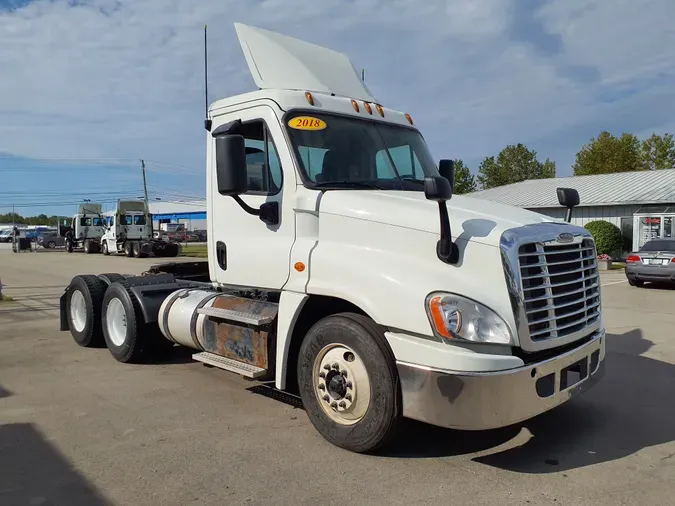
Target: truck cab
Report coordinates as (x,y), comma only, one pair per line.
(341,267)
(130,231)
(86,228)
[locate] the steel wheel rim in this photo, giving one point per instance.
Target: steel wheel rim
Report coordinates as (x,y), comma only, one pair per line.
(341,384)
(116,322)
(78,311)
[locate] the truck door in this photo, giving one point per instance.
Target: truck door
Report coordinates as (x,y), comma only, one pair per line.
(244,250)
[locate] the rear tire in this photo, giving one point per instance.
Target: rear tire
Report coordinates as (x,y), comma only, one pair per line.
(356,406)
(83,309)
(128,249)
(123,325)
(87,247)
(51,245)
(136,249)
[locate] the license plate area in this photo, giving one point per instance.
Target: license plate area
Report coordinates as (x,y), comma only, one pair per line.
(573,374)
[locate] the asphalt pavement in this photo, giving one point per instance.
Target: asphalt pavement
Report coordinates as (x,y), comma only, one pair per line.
(76,427)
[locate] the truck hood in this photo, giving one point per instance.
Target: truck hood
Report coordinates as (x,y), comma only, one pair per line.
(471,219)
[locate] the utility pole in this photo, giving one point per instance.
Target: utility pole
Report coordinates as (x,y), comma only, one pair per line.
(145,186)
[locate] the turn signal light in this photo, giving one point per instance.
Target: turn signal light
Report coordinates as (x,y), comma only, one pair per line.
(409,118)
(633,259)
(355,105)
(435,305)
(309,98)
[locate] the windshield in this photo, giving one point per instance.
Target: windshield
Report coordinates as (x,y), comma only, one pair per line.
(659,245)
(360,153)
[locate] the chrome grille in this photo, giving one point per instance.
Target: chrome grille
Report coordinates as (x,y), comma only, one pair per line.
(561,288)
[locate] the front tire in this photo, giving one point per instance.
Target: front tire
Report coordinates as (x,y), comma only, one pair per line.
(104,247)
(83,307)
(87,247)
(348,382)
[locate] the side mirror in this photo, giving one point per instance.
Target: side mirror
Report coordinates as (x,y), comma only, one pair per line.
(568,198)
(231,170)
(447,170)
(438,189)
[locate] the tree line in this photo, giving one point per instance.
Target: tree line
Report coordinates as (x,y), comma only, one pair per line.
(41,219)
(603,154)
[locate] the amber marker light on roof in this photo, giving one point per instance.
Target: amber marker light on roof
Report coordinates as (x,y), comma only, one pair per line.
(409,118)
(309,98)
(368,108)
(379,109)
(355,105)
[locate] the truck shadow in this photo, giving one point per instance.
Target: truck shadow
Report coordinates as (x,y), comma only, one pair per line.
(627,411)
(32,471)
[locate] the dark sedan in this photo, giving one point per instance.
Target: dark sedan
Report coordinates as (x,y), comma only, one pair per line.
(654,262)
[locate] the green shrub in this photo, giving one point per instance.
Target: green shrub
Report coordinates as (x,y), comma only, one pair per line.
(608,237)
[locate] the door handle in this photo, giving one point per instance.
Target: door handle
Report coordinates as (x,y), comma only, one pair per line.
(221,255)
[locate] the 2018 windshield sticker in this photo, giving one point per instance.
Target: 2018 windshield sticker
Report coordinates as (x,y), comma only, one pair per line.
(307,123)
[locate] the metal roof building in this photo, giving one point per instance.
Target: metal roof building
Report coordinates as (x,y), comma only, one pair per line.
(192,213)
(641,204)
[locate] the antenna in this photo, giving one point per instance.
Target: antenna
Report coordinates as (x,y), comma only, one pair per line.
(207,121)
(363,75)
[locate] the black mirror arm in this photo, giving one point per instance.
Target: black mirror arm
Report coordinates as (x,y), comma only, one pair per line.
(447,251)
(568,217)
(268,212)
(245,206)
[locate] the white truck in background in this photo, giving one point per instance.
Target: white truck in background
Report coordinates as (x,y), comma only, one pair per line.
(346,272)
(86,229)
(129,231)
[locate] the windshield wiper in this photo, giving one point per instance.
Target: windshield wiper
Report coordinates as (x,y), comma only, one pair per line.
(353,184)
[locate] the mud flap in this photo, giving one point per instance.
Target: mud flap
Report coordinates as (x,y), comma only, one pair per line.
(63,316)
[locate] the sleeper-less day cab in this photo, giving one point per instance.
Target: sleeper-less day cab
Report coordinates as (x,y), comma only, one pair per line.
(341,268)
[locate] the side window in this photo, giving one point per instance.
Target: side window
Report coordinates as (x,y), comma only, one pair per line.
(264,167)
(139,220)
(405,160)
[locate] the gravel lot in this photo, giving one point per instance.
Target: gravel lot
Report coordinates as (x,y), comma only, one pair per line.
(76,427)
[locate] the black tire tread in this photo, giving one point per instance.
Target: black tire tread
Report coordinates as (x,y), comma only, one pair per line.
(374,331)
(96,291)
(138,350)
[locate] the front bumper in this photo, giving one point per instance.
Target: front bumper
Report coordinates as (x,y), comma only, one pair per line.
(480,401)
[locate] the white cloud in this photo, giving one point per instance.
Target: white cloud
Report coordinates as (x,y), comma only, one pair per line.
(123,79)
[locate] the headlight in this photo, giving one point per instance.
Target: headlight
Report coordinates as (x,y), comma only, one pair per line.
(455,317)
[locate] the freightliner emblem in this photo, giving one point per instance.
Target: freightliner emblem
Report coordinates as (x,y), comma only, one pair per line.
(565,237)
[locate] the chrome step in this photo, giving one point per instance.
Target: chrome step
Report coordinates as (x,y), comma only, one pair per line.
(247,370)
(236,316)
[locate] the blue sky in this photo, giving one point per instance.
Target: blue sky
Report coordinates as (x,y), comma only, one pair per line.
(91,86)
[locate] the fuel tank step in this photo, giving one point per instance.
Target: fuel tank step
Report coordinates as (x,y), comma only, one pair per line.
(235,316)
(246,370)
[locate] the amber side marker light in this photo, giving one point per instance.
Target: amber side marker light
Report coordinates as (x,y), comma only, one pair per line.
(379,109)
(309,98)
(299,266)
(437,316)
(355,105)
(409,118)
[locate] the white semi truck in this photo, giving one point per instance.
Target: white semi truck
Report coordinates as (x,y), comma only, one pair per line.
(129,231)
(87,228)
(345,273)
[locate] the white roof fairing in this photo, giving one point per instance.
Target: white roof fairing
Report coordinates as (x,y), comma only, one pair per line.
(620,188)
(280,62)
